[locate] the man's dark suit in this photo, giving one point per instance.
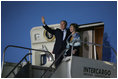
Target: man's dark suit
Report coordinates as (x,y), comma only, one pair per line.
(60,44)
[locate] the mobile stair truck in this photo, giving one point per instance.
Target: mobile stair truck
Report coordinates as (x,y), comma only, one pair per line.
(41,61)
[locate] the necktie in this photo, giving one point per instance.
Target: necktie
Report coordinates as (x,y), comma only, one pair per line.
(62,34)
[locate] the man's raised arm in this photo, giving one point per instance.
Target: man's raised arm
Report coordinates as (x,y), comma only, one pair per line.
(52,31)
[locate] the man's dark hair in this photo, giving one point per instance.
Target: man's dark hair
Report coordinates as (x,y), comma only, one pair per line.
(75,26)
(64,21)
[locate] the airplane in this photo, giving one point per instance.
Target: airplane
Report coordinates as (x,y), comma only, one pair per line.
(88,64)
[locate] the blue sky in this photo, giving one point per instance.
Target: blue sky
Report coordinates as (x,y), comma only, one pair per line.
(18,18)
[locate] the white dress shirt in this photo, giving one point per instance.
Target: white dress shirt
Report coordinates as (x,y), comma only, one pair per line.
(64,33)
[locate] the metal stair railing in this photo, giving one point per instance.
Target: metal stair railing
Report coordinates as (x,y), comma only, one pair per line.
(24,58)
(3,59)
(98,45)
(63,52)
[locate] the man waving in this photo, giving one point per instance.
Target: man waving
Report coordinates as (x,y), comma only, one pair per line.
(61,36)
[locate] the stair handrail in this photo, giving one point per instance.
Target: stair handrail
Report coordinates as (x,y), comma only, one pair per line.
(98,45)
(3,59)
(63,52)
(18,64)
